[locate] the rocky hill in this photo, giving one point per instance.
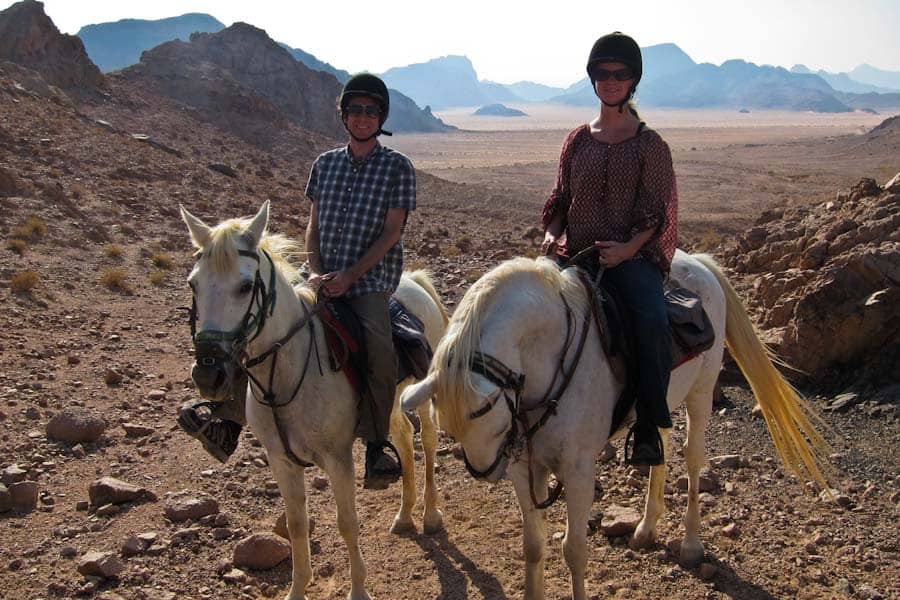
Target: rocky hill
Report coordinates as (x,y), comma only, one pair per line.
(117,45)
(498,110)
(30,39)
(439,83)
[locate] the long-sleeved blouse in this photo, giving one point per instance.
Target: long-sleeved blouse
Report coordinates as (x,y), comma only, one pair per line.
(610,192)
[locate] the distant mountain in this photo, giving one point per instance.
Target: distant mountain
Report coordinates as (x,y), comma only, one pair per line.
(739,84)
(113,46)
(843,82)
(658,61)
(533,92)
(314,63)
(870,101)
(498,110)
(439,83)
(868,74)
(499,92)
(30,39)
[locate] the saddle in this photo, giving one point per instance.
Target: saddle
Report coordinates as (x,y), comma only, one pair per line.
(346,346)
(690,327)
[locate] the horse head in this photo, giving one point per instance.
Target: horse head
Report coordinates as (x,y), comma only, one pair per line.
(232,296)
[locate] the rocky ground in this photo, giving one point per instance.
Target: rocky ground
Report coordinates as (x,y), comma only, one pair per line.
(95,350)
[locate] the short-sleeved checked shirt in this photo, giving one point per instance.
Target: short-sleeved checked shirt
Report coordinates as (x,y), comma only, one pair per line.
(352,200)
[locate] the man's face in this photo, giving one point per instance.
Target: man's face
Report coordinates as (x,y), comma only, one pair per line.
(362,117)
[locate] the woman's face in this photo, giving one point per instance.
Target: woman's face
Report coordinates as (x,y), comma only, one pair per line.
(612,81)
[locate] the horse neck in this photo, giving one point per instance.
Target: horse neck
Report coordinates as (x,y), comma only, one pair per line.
(289,310)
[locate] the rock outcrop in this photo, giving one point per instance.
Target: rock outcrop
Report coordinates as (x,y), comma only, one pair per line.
(828,283)
(29,38)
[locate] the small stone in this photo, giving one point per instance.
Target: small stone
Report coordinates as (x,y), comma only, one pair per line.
(319,482)
(100,564)
(181,508)
(132,546)
(708,571)
(135,430)
(13,474)
(24,495)
(261,551)
(107,510)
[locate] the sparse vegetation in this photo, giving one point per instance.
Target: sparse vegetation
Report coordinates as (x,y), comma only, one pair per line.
(17,245)
(33,229)
(464,243)
(158,278)
(116,279)
(451,251)
(161,260)
(114,251)
(708,242)
(24,281)
(77,191)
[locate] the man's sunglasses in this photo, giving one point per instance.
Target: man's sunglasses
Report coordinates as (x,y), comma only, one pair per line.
(370,110)
(623,74)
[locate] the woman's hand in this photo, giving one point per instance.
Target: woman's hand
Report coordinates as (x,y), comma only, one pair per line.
(548,246)
(612,254)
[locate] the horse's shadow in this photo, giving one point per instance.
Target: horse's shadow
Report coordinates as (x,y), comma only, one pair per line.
(455,570)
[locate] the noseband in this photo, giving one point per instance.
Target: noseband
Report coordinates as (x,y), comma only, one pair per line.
(508,380)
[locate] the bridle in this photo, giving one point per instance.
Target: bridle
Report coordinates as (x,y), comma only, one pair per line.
(209,352)
(508,380)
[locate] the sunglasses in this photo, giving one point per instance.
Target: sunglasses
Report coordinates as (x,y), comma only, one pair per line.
(370,110)
(623,74)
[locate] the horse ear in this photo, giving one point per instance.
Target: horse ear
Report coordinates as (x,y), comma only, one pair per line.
(257,227)
(417,394)
(199,230)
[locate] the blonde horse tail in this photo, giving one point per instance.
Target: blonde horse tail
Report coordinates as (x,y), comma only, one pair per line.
(788,416)
(423,278)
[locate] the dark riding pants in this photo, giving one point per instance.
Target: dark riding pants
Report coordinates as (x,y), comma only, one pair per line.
(640,285)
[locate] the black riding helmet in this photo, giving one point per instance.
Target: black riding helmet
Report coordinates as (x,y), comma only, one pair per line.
(617,47)
(370,86)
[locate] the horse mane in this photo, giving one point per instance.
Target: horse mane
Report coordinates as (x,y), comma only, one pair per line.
(451,363)
(222,251)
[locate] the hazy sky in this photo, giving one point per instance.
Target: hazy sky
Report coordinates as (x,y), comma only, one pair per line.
(546,42)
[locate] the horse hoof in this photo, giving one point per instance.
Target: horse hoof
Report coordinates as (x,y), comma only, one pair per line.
(691,554)
(435,524)
(403,526)
(642,538)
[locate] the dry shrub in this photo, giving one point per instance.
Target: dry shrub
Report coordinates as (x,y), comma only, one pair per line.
(158,278)
(464,243)
(452,251)
(33,229)
(115,279)
(17,245)
(708,242)
(161,260)
(77,191)
(114,251)
(24,281)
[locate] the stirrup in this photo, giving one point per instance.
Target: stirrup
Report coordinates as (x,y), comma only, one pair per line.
(641,451)
(380,478)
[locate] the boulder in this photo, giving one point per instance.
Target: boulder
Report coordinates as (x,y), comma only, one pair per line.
(261,551)
(76,424)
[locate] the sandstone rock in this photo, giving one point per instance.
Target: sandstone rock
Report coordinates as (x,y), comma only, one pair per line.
(181,508)
(726,461)
(6,504)
(109,490)
(619,520)
(13,474)
(132,546)
(100,564)
(75,425)
(24,495)
(135,430)
(261,551)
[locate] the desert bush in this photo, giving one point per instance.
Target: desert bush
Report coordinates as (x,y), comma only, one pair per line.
(115,279)
(452,251)
(158,278)
(464,243)
(17,245)
(161,260)
(33,229)
(114,251)
(24,281)
(77,191)
(708,241)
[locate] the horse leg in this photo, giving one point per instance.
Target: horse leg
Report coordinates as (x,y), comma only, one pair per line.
(699,405)
(534,529)
(655,505)
(402,434)
(433,520)
(340,471)
(293,489)
(579,497)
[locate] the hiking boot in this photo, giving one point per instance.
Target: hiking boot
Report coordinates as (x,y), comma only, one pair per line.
(218,436)
(643,446)
(381,469)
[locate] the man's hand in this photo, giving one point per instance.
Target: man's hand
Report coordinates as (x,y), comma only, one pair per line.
(612,254)
(336,284)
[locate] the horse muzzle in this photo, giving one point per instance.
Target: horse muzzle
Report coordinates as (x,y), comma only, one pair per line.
(212,372)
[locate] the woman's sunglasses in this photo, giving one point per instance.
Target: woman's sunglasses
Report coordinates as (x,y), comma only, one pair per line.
(370,110)
(619,74)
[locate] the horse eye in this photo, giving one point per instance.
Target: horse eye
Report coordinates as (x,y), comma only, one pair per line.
(245,288)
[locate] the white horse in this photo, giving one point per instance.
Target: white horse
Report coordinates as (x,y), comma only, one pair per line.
(249,310)
(509,355)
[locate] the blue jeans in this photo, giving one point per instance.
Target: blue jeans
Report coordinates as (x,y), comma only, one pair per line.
(639,283)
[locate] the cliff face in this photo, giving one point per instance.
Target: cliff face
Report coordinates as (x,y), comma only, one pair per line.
(29,38)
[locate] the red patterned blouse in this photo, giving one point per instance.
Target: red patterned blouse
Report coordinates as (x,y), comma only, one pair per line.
(614,191)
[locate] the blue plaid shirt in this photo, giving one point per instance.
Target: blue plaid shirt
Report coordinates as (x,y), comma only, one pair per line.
(352,200)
